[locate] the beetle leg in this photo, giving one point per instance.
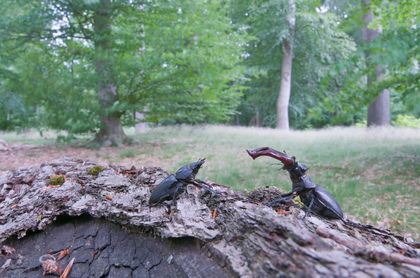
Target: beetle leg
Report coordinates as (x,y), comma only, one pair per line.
(309,208)
(160,202)
(174,195)
(282,199)
(288,194)
(200,181)
(356,225)
(202,186)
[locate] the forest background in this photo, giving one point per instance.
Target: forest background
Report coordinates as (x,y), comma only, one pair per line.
(91,66)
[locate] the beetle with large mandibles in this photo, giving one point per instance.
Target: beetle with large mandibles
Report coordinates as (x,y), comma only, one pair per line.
(315,197)
(173,185)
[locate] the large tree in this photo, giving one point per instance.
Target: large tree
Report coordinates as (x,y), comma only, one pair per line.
(379,109)
(56,36)
(163,57)
(110,131)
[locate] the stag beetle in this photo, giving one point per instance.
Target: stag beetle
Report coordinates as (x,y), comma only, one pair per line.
(171,187)
(315,197)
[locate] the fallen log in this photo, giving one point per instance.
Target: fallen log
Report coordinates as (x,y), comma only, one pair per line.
(99,217)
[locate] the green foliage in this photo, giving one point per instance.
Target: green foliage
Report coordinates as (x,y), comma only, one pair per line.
(394,14)
(395,51)
(401,75)
(407,121)
(12,111)
(199,79)
(165,58)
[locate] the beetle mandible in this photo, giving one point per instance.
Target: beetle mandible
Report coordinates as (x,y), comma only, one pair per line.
(315,197)
(173,185)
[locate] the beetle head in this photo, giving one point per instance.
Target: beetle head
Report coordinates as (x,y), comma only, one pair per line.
(187,173)
(298,170)
(195,166)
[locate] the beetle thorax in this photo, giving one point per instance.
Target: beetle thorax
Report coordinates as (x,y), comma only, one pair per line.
(300,180)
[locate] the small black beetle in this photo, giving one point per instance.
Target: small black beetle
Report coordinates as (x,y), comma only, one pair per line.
(315,197)
(171,187)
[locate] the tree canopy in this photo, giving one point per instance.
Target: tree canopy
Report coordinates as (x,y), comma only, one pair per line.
(166,58)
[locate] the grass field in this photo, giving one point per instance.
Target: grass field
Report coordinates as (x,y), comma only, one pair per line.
(374,174)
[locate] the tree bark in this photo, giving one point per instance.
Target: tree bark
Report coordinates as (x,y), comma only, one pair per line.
(104,222)
(110,132)
(286,72)
(379,109)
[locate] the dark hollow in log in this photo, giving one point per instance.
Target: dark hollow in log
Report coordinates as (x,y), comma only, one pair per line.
(106,249)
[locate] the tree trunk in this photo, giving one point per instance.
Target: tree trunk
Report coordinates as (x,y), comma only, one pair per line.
(379,109)
(111,132)
(103,221)
(286,72)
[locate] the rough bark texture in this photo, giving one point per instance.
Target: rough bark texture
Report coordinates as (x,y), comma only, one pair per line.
(105,223)
(286,73)
(379,109)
